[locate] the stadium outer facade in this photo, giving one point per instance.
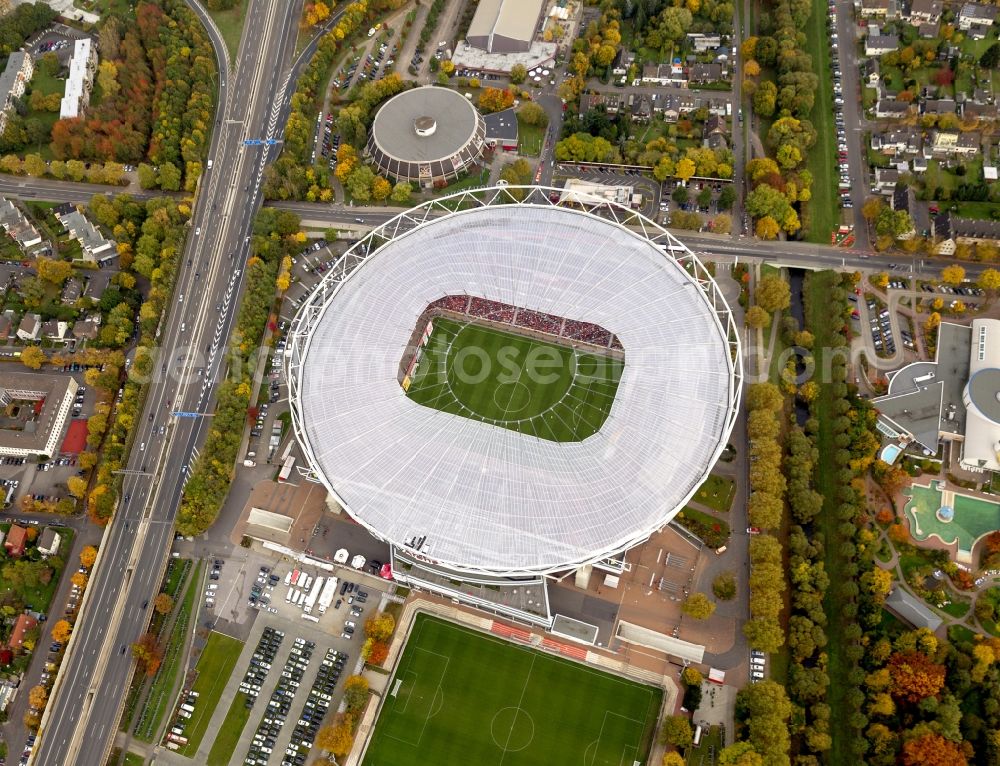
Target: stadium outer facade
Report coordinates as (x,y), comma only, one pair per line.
(491,588)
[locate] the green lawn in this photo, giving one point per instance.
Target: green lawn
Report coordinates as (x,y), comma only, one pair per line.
(161,691)
(525,385)
(819,286)
(717,493)
(823,208)
(230,24)
(39,597)
(459,697)
(529,138)
(133,759)
(228,735)
(708,749)
(214,668)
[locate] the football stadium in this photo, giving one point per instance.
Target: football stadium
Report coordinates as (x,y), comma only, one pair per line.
(503,387)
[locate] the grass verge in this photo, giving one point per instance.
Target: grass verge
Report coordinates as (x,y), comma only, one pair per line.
(161,690)
(230,24)
(214,668)
(823,208)
(819,287)
(228,735)
(529,138)
(717,493)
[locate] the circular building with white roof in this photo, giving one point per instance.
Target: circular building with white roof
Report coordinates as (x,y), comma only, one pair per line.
(456,475)
(426,134)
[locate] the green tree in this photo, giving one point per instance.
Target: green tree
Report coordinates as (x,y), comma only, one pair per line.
(765,98)
(676,730)
(756,317)
(517,73)
(532,113)
(170,177)
(698,606)
(401,192)
(773,293)
(724,586)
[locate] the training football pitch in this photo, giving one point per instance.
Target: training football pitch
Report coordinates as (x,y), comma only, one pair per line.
(459,697)
(543,389)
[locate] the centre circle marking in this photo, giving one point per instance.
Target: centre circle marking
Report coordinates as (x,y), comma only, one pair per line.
(512,729)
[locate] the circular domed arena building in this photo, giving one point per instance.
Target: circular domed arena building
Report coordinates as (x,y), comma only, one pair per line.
(425,135)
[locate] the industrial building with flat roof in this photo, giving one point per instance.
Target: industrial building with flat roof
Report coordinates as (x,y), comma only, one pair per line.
(505,26)
(40,434)
(956,397)
(426,135)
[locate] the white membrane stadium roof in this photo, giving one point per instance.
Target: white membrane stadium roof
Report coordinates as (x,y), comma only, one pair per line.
(486,498)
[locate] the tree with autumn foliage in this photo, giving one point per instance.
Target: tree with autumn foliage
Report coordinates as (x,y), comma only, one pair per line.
(379,627)
(37,697)
(914,676)
(61,631)
(88,556)
(495,100)
(338,736)
(148,653)
(315,13)
(931,749)
(163,603)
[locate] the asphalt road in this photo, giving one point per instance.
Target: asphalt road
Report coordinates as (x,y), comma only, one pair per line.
(82,718)
(853,118)
(715,247)
(65,191)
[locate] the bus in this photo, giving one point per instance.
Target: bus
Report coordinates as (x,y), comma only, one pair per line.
(286,469)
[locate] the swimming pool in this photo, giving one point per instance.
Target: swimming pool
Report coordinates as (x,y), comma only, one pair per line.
(890,453)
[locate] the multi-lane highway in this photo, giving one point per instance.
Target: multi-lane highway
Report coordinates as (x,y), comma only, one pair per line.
(82,719)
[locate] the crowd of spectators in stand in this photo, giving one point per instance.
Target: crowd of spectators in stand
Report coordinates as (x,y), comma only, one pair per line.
(587,332)
(495,311)
(536,320)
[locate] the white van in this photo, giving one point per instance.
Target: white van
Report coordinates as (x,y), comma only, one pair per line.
(310,618)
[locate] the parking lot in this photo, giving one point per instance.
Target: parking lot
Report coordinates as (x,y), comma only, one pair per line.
(844,186)
(304,640)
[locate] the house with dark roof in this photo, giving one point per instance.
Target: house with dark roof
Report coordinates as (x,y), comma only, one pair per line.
(612,102)
(912,610)
(623,61)
(886,180)
(48,542)
(86,329)
(949,230)
(891,107)
(897,141)
(903,198)
(872,71)
(640,108)
(976,20)
(17,539)
(703,73)
(924,11)
(938,106)
(23,624)
(501,130)
(878,45)
(30,327)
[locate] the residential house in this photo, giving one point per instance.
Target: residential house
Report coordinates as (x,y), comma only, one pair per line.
(96,248)
(897,141)
(49,541)
(54,330)
(30,327)
(16,75)
(929,29)
(640,108)
(80,81)
(877,44)
(947,143)
(71,292)
(701,43)
(886,180)
(925,11)
(979,110)
(612,102)
(918,164)
(653,74)
(622,62)
(717,141)
(891,108)
(938,106)
(87,329)
(717,106)
(23,624)
(17,225)
(704,73)
(976,19)
(874,9)
(17,539)
(714,124)
(872,71)
(669,107)
(905,199)
(949,230)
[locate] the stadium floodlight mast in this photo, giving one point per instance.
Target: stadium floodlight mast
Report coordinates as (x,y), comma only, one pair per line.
(483,500)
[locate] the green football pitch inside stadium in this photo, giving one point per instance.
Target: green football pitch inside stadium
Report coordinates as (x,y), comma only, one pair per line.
(459,698)
(527,385)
